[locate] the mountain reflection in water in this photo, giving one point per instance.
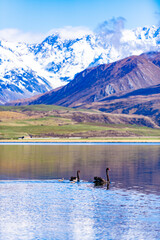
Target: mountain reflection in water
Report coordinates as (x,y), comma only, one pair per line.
(131,166)
(49,209)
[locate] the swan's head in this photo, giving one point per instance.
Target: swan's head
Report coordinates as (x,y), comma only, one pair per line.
(107,169)
(78,171)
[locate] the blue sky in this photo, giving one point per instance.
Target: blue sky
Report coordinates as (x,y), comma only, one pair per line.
(43,15)
(40,16)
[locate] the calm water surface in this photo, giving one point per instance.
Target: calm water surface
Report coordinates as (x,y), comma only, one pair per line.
(35,205)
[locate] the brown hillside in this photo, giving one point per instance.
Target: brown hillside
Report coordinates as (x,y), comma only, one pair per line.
(96,83)
(128,86)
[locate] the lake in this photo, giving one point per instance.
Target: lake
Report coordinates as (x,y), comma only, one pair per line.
(34,204)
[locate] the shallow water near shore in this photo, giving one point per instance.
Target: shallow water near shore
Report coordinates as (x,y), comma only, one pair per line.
(35,205)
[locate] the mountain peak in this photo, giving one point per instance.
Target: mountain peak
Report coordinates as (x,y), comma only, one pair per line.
(67,52)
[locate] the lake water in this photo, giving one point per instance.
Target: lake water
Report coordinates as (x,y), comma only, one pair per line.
(35,205)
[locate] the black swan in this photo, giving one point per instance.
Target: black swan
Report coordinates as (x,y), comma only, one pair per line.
(101,181)
(75,179)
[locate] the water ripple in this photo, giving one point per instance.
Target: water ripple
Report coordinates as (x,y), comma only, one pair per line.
(61,210)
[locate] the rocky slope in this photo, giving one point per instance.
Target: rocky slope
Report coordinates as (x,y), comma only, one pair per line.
(94,84)
(144,102)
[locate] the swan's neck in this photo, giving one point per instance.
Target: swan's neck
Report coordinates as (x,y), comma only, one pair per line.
(107,176)
(78,178)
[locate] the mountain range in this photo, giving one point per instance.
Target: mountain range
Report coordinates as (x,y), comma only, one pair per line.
(30,69)
(128,86)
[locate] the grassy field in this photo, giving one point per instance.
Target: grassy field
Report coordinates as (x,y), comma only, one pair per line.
(41,121)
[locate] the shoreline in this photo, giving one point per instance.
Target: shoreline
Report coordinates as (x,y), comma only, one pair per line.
(64,140)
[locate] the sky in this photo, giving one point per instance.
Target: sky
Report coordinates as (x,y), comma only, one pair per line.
(34,18)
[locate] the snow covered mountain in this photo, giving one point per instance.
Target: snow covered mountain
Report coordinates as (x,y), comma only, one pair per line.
(30,69)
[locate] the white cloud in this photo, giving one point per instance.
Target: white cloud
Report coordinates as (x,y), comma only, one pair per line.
(71,32)
(111,31)
(16,35)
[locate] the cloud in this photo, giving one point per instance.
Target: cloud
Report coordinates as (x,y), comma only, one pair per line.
(69,32)
(111,31)
(16,35)
(108,32)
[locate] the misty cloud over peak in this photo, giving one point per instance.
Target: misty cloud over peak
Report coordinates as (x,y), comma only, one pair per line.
(111,31)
